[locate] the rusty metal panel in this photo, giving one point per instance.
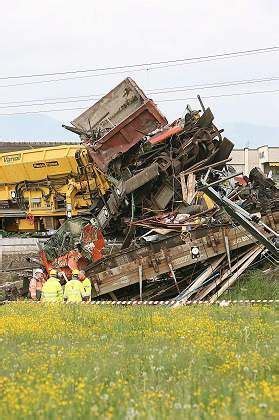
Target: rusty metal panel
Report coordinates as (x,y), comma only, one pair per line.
(163,196)
(129,132)
(120,119)
(141,178)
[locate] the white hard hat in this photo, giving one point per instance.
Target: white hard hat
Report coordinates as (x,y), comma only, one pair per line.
(38,271)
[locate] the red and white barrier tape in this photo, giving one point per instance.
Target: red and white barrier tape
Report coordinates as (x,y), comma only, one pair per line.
(181,303)
(164,302)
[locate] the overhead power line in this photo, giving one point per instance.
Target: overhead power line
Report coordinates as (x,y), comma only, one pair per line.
(154,63)
(42,111)
(136,67)
(49,103)
(145,69)
(97,75)
(158,91)
(214,85)
(221,96)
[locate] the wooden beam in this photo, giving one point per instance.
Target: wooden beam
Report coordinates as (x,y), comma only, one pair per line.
(183,187)
(191,187)
(190,290)
(235,276)
(203,293)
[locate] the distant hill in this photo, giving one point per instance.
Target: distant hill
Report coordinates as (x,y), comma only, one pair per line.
(45,128)
(251,135)
(33,127)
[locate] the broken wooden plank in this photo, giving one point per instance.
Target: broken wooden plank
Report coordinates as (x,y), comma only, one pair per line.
(190,290)
(191,187)
(235,276)
(183,187)
(203,293)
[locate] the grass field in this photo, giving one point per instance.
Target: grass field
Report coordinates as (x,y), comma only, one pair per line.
(255,284)
(110,362)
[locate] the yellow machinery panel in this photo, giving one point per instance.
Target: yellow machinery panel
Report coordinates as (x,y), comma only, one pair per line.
(39,187)
(37,164)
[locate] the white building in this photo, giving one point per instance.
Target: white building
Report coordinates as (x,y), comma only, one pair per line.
(266,158)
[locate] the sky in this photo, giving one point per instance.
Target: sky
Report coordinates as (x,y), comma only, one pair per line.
(65,35)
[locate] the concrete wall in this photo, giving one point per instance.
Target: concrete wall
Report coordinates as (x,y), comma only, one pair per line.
(273,154)
(13,253)
(251,159)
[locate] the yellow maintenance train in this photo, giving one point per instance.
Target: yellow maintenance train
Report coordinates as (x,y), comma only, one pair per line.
(40,188)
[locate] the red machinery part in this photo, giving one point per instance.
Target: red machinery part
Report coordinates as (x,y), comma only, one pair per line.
(165,134)
(92,240)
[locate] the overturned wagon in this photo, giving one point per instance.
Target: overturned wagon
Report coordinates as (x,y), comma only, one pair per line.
(169,265)
(117,122)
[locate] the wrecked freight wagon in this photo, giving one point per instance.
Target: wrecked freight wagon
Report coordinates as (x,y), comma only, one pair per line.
(163,219)
(158,210)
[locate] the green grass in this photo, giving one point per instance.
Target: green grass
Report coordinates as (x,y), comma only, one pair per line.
(255,285)
(85,361)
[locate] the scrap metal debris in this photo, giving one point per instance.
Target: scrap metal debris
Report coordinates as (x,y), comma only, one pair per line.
(177,222)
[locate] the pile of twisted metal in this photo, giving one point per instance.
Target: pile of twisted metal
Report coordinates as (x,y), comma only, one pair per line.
(178,222)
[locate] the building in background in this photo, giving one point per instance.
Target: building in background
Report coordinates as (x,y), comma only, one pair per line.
(266,158)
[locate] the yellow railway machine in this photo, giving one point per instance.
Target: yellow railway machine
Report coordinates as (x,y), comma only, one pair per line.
(39,188)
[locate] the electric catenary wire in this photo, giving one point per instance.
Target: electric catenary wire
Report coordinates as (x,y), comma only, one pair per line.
(159,91)
(129,66)
(137,67)
(162,100)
